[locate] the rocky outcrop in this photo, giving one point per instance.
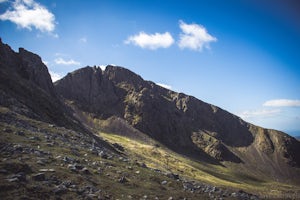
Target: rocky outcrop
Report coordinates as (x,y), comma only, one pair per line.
(92,91)
(26,88)
(27,65)
(32,68)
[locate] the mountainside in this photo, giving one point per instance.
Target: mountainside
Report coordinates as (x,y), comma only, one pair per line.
(155,142)
(181,122)
(46,153)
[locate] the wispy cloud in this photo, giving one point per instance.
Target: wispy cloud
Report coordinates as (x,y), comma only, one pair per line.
(1,1)
(28,14)
(55,76)
(258,113)
(151,41)
(83,40)
(61,61)
(282,103)
(165,86)
(194,37)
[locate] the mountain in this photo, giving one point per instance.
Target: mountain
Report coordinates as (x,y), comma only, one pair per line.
(181,122)
(112,135)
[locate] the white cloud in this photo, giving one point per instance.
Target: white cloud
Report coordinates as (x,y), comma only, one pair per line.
(164,86)
(1,1)
(61,61)
(282,103)
(83,40)
(194,36)
(258,113)
(55,76)
(28,14)
(151,41)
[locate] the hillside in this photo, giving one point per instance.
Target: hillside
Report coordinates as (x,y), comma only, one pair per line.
(112,135)
(181,122)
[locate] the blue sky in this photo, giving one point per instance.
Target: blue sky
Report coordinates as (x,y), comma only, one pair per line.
(241,55)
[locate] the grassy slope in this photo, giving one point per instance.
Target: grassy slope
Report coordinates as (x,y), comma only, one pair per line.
(104,173)
(159,157)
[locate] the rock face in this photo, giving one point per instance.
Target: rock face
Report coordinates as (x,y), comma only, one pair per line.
(95,93)
(26,88)
(150,108)
(181,122)
(28,65)
(32,68)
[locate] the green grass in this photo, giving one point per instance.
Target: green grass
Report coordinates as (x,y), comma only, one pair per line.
(224,177)
(104,174)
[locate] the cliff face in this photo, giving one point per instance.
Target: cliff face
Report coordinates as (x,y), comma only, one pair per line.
(27,65)
(181,122)
(32,68)
(26,88)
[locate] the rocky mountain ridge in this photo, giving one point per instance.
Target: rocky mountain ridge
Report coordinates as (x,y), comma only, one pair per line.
(116,100)
(181,122)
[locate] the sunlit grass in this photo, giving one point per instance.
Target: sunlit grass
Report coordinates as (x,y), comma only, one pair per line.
(156,156)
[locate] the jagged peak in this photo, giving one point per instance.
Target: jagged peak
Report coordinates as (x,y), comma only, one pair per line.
(6,53)
(31,58)
(120,74)
(87,69)
(28,65)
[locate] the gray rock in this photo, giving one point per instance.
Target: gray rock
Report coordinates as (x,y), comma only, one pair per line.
(40,162)
(164,182)
(85,170)
(3,171)
(39,177)
(103,155)
(118,147)
(60,189)
(123,179)
(234,194)
(21,176)
(173,176)
(18,148)
(67,183)
(68,159)
(15,179)
(188,186)
(20,133)
(35,138)
(254,197)
(47,170)
(7,130)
